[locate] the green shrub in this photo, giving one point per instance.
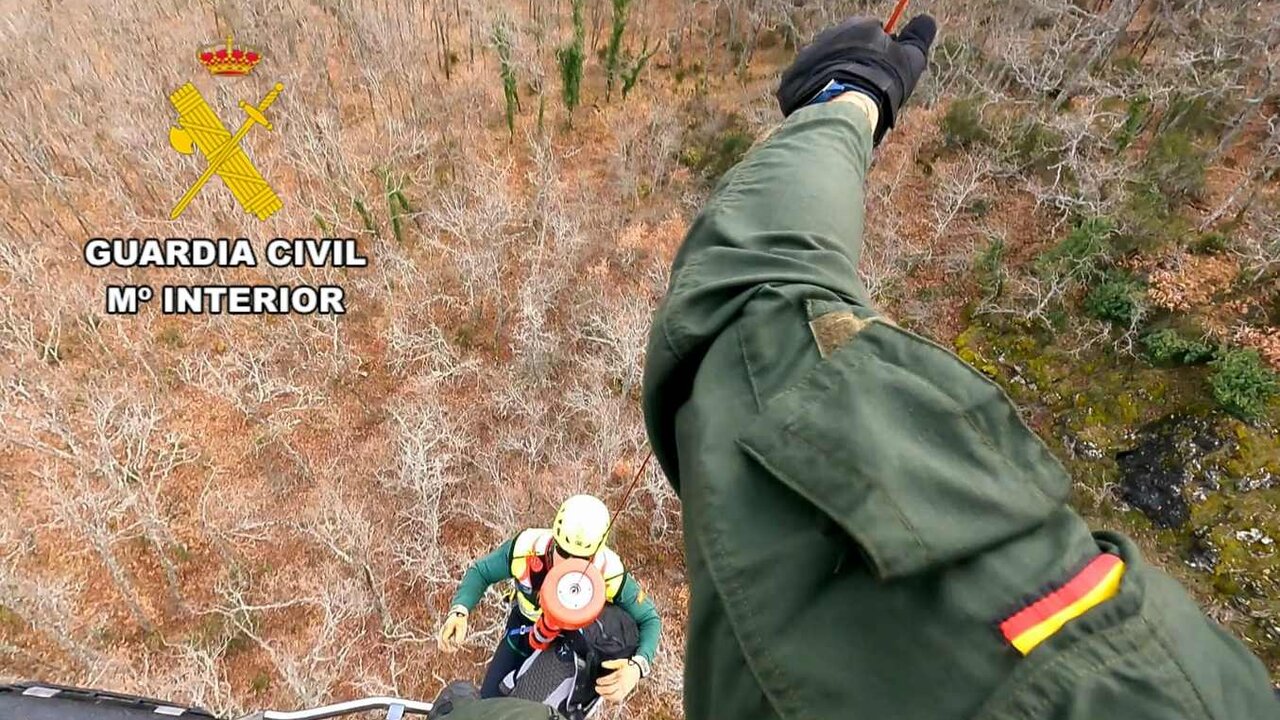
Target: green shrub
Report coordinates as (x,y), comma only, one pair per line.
(1176,166)
(570,58)
(365,216)
(613,51)
(260,683)
(1083,253)
(1135,118)
(989,268)
(1117,299)
(715,145)
(632,74)
(963,126)
(979,207)
(1242,383)
(1034,146)
(502,42)
(1169,347)
(397,203)
(171,337)
(1149,220)
(722,153)
(1213,243)
(1201,116)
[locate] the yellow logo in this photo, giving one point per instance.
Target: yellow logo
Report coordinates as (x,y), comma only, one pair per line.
(199,127)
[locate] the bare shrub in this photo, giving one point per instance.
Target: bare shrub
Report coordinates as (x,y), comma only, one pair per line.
(646,147)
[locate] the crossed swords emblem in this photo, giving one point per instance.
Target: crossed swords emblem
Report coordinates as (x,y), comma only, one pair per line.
(199,127)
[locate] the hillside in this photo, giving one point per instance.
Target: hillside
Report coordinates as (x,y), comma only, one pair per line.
(246,511)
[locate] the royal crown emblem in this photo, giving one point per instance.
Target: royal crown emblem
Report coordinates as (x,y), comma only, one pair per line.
(229,59)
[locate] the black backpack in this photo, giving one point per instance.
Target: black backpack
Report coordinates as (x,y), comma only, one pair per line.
(564,675)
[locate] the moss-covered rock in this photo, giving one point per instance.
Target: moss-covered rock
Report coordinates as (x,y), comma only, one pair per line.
(1152,456)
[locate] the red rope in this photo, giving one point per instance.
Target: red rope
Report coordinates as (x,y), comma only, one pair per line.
(898,9)
(613,517)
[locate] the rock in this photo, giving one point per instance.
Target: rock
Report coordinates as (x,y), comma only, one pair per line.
(1261,480)
(1074,444)
(1202,554)
(1254,535)
(1168,457)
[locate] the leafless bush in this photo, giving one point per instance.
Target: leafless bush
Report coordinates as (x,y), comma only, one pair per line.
(429,446)
(1030,298)
(1260,250)
(105,484)
(609,427)
(957,188)
(194,674)
(544,265)
(345,529)
(481,374)
(616,331)
(47,604)
(887,261)
(254,383)
(479,216)
(312,663)
(233,518)
(646,146)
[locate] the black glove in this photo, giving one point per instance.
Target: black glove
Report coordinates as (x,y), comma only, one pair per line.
(859,53)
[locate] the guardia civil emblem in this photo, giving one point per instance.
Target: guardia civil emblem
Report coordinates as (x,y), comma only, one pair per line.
(199,128)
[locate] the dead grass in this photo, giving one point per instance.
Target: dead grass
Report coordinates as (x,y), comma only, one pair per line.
(247,512)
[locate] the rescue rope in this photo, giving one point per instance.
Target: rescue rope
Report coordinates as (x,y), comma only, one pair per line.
(898,9)
(613,517)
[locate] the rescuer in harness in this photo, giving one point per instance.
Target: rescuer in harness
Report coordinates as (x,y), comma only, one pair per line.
(580,531)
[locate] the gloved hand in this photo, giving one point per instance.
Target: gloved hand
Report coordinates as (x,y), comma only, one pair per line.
(617,685)
(860,54)
(454,630)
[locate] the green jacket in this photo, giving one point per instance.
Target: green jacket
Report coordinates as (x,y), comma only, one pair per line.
(865,515)
(624,591)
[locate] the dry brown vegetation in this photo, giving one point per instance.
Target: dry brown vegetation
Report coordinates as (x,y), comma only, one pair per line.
(245,512)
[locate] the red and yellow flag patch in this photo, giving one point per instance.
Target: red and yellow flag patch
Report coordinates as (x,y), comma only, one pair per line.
(1098,582)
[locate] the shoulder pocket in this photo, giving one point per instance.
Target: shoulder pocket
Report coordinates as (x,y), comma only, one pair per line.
(917,456)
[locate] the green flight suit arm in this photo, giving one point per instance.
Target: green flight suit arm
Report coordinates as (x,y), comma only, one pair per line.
(859,523)
(492,568)
(500,709)
(640,606)
(791,213)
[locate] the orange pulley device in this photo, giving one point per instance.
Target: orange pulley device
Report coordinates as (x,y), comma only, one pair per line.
(572,596)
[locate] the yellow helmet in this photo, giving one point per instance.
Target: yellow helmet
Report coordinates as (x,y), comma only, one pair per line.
(581,525)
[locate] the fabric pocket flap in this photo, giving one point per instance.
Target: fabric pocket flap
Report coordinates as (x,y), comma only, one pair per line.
(918,457)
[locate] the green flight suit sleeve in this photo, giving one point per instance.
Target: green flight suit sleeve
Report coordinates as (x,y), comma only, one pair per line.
(861,516)
(500,709)
(790,214)
(640,606)
(492,568)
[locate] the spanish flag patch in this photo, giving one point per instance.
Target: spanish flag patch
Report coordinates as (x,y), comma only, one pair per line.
(1098,582)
